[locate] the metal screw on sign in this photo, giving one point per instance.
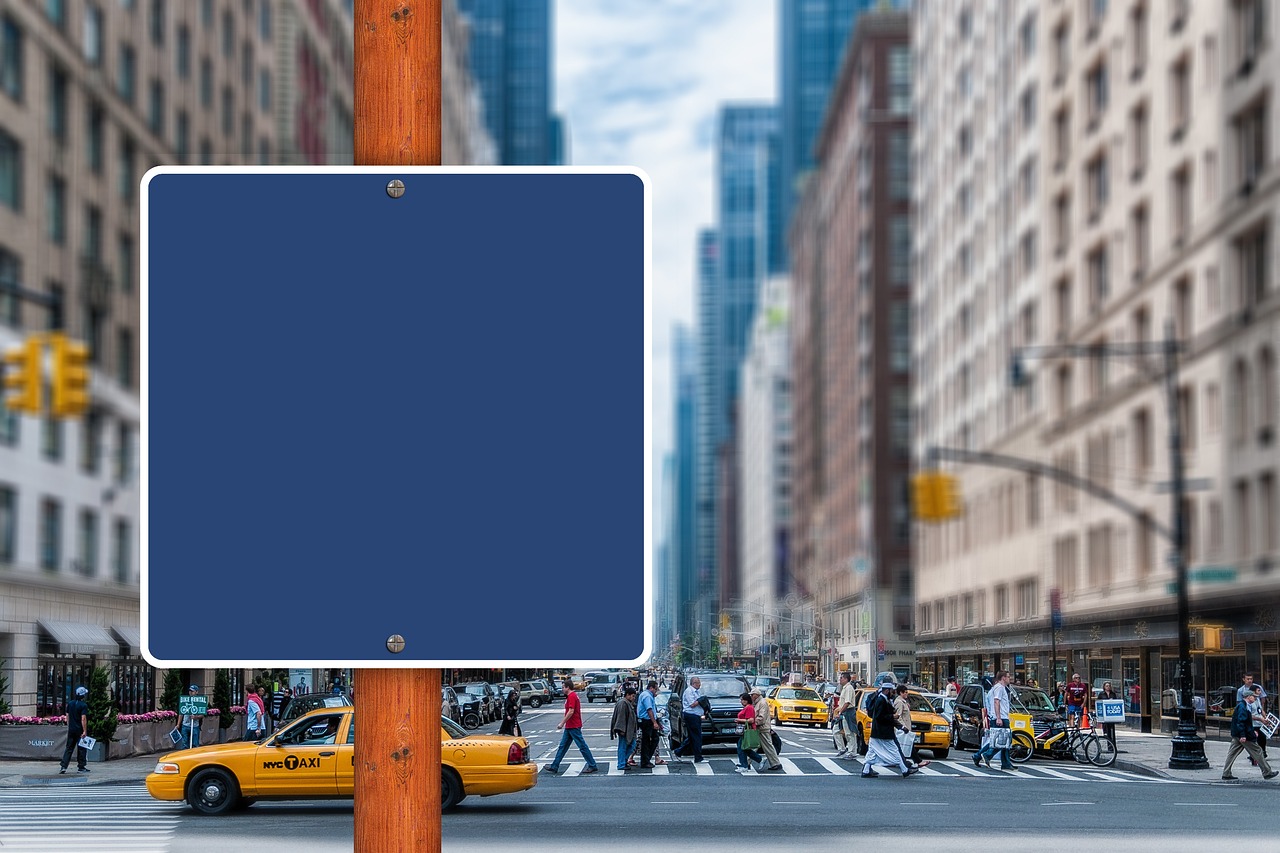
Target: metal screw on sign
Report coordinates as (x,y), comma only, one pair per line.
(395,644)
(395,188)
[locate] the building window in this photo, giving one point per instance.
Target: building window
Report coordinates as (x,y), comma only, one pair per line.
(1096,11)
(51,430)
(122,568)
(1061,138)
(1027,109)
(124,262)
(1183,306)
(1002,603)
(1140,235)
(56,12)
(264,19)
(155,107)
(91,443)
(183,54)
(1028,599)
(1066,559)
(228,35)
(56,222)
(1061,53)
(11,64)
(1250,130)
(1099,548)
(95,129)
(1027,181)
(1268,393)
(127,74)
(206,82)
(1180,97)
(1240,402)
(1249,31)
(1250,254)
(1027,252)
(1180,190)
(1097,93)
(1187,416)
(10,172)
(1269,524)
(127,182)
(1138,40)
(228,112)
(87,562)
(1064,308)
(92,34)
(1098,185)
(264,104)
(1099,277)
(1062,224)
(1142,450)
(899,158)
(93,232)
(124,357)
(50,534)
(900,79)
(900,249)
(8,525)
(124,454)
(1244,530)
(182,136)
(157,22)
(58,103)
(1139,140)
(1027,38)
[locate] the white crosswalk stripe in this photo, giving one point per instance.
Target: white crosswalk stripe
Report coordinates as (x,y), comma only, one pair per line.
(102,817)
(819,765)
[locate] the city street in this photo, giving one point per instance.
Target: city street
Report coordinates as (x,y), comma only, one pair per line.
(708,804)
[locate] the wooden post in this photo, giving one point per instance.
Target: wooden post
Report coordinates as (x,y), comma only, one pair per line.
(397,755)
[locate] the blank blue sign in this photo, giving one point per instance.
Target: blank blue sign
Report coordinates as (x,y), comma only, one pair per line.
(367,416)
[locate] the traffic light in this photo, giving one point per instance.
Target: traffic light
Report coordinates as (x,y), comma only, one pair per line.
(70,377)
(935,496)
(22,372)
(922,497)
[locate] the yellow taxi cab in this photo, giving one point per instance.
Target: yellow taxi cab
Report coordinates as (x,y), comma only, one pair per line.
(931,729)
(314,758)
(789,703)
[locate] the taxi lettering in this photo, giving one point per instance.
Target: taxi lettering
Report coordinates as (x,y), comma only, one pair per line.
(292,762)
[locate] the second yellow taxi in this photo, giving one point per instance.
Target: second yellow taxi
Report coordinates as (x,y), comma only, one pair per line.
(791,704)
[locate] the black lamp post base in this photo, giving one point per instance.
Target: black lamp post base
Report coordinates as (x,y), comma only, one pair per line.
(1188,752)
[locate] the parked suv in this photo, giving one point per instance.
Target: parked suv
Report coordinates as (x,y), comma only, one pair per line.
(1031,714)
(490,704)
(606,687)
(535,693)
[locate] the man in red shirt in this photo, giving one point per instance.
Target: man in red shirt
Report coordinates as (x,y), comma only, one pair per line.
(1077,695)
(572,725)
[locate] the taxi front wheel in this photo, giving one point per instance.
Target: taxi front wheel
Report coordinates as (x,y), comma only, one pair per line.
(213,792)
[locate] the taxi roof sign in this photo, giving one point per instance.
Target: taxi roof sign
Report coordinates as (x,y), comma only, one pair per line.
(372,411)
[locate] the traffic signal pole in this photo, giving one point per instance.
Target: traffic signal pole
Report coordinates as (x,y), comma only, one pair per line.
(397,123)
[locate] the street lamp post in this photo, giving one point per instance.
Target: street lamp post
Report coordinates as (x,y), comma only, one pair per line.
(1188,747)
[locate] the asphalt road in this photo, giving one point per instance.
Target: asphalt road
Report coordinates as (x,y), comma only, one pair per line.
(717,809)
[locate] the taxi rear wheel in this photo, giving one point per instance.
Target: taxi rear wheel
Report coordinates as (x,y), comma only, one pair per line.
(213,792)
(451,791)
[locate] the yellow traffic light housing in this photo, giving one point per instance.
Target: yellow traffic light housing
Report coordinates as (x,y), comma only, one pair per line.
(70,377)
(935,496)
(22,373)
(923,498)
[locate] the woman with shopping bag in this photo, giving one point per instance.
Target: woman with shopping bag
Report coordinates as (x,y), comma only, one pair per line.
(748,737)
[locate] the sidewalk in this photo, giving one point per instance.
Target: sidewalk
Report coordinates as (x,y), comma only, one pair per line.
(18,772)
(1148,754)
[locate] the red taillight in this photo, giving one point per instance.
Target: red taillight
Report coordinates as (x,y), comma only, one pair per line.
(516,754)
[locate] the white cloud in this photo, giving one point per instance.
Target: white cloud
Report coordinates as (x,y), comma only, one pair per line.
(640,83)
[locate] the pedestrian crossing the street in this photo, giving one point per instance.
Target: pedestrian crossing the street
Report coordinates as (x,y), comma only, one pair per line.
(816,765)
(102,818)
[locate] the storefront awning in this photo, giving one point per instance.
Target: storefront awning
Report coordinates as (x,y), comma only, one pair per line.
(128,636)
(80,637)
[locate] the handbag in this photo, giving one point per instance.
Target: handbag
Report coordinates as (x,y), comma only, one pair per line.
(906,742)
(777,741)
(1001,738)
(750,740)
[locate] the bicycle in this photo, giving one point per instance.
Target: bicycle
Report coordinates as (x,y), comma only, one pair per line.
(1084,745)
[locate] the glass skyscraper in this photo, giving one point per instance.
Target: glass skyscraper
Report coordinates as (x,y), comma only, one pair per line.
(732,260)
(510,56)
(812,37)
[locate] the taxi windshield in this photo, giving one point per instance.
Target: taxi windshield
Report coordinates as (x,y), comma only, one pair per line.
(798,693)
(1030,699)
(916,702)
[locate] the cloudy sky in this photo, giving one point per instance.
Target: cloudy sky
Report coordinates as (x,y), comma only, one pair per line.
(639,83)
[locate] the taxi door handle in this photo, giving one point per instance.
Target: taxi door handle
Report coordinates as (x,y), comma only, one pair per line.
(327,754)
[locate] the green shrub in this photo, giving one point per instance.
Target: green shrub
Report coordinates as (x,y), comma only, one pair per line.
(102,711)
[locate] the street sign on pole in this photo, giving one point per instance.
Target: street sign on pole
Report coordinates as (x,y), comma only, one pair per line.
(450,379)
